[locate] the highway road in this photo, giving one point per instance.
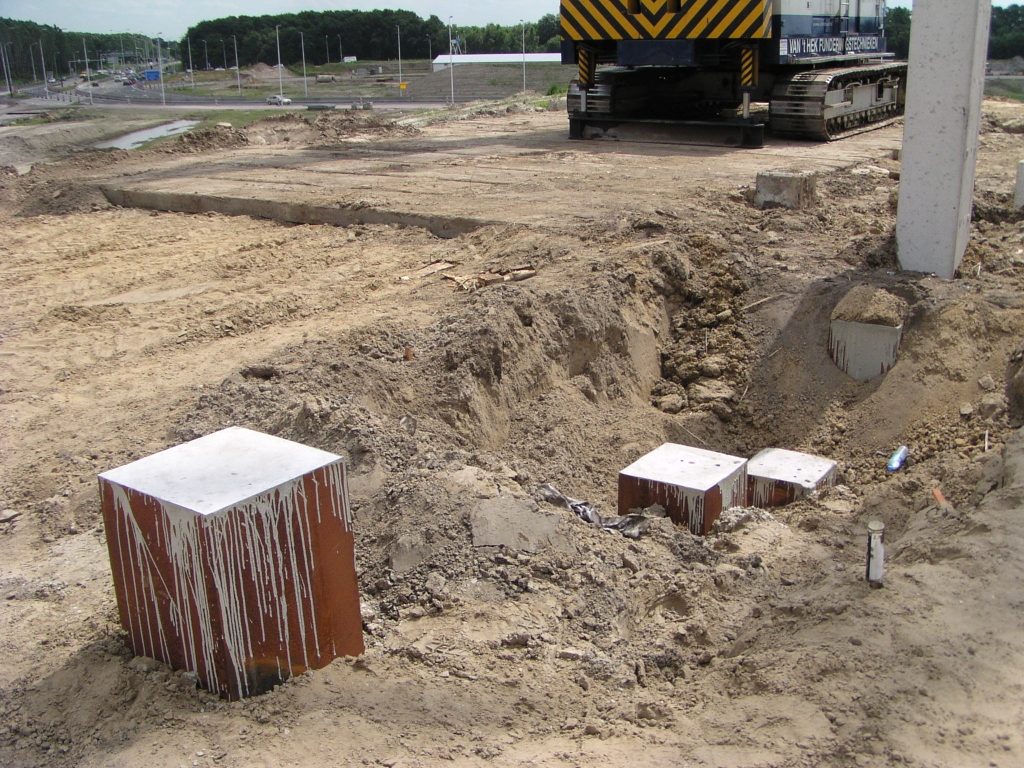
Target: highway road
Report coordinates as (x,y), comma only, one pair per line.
(115,94)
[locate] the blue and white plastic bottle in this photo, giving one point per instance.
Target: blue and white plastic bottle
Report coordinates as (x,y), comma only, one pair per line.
(897,460)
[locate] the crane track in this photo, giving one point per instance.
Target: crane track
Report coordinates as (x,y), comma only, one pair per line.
(831,104)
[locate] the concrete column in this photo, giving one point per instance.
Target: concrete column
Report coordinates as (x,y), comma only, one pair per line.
(948,45)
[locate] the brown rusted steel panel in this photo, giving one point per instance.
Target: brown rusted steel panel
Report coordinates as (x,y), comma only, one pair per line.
(235,559)
(693,485)
(776,477)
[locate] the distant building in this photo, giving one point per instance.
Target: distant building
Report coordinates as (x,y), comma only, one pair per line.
(441,62)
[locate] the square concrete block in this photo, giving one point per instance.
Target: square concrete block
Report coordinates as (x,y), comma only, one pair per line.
(693,485)
(795,190)
(776,477)
(233,557)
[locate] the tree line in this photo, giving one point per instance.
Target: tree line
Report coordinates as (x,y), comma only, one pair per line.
(62,52)
(326,36)
(1005,40)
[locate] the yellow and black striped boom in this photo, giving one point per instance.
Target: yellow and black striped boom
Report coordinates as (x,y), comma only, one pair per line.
(666,19)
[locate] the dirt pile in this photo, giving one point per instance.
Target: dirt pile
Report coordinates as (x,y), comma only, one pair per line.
(335,125)
(325,128)
(864,304)
(260,72)
(517,104)
(51,190)
(206,139)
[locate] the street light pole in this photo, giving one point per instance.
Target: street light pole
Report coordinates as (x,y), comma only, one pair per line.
(224,51)
(280,84)
(191,69)
(341,52)
(206,54)
(302,44)
(7,74)
(33,61)
(160,70)
(238,67)
(524,54)
(10,66)
(327,46)
(399,60)
(430,49)
(88,75)
(42,63)
(451,59)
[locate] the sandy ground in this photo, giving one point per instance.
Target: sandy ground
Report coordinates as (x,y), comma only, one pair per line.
(516,170)
(125,331)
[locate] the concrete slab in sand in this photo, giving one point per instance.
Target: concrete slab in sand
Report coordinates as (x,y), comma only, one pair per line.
(454,178)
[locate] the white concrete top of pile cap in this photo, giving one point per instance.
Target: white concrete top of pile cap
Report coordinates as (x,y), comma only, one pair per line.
(220,470)
(790,467)
(687,467)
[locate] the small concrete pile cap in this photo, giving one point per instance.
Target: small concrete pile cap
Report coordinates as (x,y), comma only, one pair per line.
(790,467)
(795,190)
(220,470)
(871,306)
(682,465)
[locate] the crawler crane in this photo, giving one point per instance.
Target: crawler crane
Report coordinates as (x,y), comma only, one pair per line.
(821,65)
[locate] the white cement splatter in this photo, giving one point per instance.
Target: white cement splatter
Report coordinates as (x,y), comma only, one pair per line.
(692,502)
(764,489)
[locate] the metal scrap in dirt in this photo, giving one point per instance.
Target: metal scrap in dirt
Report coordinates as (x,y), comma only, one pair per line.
(470,283)
(632,526)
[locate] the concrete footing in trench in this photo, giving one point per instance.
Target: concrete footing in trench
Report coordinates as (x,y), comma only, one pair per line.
(865,332)
(295,213)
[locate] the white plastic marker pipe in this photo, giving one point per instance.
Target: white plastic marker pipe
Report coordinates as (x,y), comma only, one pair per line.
(1018,192)
(876,553)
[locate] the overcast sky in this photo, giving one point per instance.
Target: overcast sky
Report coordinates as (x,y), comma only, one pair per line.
(170,18)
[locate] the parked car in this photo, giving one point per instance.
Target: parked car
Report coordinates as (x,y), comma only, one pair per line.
(278,100)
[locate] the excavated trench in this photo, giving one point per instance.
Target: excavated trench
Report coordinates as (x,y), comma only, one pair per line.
(569,377)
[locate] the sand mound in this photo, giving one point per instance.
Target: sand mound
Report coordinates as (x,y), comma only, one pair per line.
(206,139)
(873,306)
(260,71)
